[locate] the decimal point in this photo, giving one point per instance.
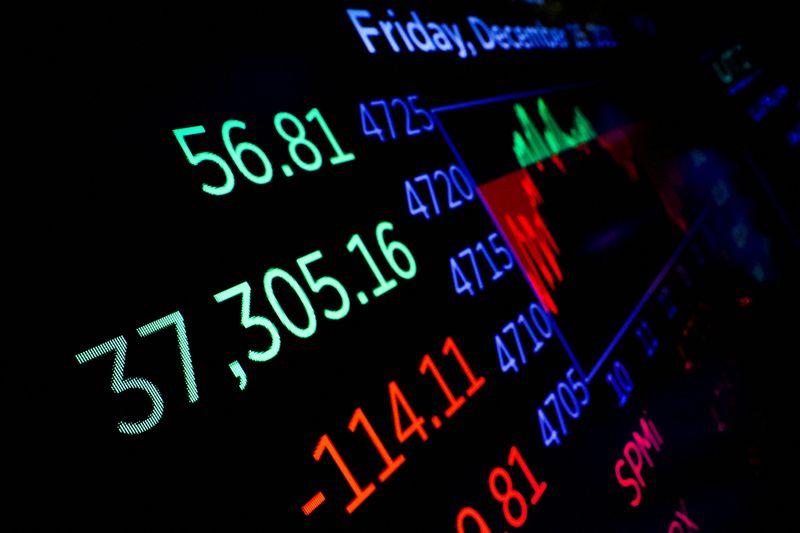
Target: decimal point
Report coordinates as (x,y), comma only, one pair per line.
(362,297)
(436,421)
(287,171)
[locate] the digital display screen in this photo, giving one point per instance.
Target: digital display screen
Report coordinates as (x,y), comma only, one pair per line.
(402,266)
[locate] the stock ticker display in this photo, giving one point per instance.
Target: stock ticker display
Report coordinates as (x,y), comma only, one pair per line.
(403,266)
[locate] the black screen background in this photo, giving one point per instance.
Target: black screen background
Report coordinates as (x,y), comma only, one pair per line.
(114,232)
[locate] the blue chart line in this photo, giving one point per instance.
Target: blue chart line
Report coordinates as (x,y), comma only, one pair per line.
(512,96)
(460,161)
(650,290)
(569,351)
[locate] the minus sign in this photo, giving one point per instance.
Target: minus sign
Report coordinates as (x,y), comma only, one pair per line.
(313,503)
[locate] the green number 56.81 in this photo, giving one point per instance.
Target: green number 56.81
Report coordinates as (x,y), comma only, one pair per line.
(259,169)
